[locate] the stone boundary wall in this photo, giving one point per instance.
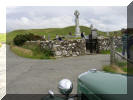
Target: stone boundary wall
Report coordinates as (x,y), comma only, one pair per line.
(104,43)
(65,48)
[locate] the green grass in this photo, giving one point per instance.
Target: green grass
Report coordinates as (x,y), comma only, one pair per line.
(124,69)
(118,67)
(73,38)
(21,52)
(115,69)
(50,32)
(36,51)
(2,37)
(0,45)
(105,52)
(120,63)
(53,31)
(119,49)
(30,51)
(108,68)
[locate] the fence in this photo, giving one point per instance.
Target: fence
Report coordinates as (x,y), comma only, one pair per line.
(116,56)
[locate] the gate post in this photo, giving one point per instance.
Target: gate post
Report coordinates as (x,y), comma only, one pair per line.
(112,54)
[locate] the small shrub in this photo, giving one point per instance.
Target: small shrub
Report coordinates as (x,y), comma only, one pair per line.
(19,40)
(47,52)
(37,51)
(36,37)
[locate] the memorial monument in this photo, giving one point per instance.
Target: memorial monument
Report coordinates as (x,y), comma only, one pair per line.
(91,26)
(77,29)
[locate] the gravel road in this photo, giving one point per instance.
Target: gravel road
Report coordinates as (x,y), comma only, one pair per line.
(30,76)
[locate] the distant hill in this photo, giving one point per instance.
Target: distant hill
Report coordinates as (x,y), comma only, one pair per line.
(50,31)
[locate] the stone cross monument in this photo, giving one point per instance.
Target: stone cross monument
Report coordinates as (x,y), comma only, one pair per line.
(77,29)
(91,26)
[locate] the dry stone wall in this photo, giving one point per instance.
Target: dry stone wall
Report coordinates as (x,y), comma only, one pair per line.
(104,43)
(66,48)
(77,47)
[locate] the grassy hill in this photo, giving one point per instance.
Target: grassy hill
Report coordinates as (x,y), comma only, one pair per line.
(2,37)
(50,31)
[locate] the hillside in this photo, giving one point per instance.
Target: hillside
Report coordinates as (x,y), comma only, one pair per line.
(2,37)
(50,31)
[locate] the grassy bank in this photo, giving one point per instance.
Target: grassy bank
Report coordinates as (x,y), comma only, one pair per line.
(118,67)
(2,37)
(29,52)
(115,69)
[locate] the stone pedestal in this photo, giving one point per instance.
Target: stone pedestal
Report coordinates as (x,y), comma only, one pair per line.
(77,29)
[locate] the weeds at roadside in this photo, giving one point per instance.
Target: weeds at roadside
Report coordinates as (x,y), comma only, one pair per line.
(30,51)
(115,69)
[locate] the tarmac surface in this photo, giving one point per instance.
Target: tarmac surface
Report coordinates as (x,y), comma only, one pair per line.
(30,76)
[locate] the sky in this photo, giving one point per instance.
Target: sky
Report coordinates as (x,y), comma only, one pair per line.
(33,17)
(11,4)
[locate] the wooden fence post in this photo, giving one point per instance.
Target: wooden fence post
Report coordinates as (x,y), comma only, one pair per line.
(112,55)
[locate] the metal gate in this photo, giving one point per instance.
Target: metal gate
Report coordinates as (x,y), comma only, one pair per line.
(92,45)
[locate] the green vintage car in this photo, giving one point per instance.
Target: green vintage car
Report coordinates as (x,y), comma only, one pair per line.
(92,85)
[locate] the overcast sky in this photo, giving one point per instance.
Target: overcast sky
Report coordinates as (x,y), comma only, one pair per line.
(30,17)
